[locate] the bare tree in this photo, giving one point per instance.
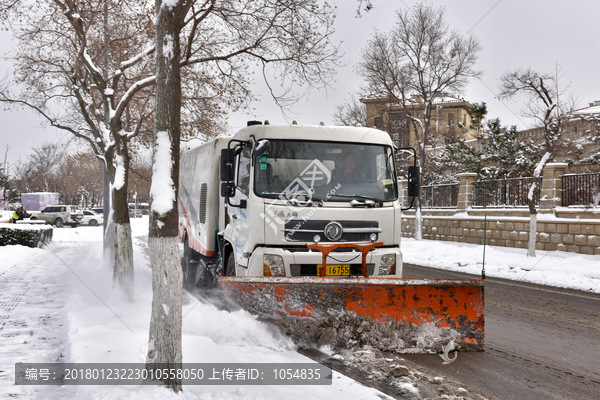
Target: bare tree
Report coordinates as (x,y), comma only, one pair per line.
(351,113)
(290,39)
(547,105)
(87,68)
(83,172)
(420,58)
(40,171)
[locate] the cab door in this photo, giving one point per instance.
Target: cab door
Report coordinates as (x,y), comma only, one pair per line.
(239,228)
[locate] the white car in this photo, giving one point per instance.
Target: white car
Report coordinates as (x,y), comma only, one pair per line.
(92,218)
(60,215)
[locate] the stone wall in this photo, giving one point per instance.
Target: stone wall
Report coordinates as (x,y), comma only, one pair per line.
(565,235)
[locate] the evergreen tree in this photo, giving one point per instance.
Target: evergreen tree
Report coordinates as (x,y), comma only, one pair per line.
(477,114)
(499,153)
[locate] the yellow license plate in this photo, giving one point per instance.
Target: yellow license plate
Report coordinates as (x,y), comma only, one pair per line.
(336,270)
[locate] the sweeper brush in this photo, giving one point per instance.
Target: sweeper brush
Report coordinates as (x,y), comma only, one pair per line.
(401,315)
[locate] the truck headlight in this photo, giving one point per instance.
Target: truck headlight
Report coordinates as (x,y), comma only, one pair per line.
(387,266)
(273,265)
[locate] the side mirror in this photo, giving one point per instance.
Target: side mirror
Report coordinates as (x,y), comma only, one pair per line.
(260,148)
(227,164)
(414,181)
(237,150)
(227,189)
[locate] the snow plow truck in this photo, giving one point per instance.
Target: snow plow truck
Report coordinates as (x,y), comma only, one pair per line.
(303,224)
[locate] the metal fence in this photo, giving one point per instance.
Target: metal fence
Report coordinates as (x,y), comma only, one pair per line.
(439,196)
(580,189)
(505,192)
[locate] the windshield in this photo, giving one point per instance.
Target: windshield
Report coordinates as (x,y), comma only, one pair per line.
(333,171)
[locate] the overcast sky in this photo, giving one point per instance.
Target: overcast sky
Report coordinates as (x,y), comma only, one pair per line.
(514,34)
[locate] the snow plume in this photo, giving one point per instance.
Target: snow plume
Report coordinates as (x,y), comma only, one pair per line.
(162,190)
(230,327)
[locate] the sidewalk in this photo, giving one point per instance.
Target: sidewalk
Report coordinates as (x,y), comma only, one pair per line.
(32,300)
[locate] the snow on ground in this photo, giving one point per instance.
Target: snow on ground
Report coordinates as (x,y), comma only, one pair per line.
(553,268)
(57,304)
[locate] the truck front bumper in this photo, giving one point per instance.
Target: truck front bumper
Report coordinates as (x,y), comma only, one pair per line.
(297,262)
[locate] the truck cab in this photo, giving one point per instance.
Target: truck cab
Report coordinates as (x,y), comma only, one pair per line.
(275,196)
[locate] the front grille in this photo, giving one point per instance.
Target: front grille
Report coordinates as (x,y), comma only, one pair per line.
(352,231)
(311,269)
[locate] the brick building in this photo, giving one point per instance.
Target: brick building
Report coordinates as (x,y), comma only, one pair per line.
(578,133)
(449,118)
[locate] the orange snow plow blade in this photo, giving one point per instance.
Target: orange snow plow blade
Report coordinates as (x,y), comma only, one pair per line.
(402,315)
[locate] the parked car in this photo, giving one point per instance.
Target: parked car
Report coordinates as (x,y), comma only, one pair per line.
(60,215)
(92,218)
(98,210)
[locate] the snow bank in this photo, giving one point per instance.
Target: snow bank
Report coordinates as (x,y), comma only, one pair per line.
(553,268)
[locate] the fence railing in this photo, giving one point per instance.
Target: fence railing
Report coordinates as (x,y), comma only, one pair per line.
(580,189)
(439,196)
(505,192)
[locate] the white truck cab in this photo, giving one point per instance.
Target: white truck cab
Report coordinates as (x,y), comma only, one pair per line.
(250,205)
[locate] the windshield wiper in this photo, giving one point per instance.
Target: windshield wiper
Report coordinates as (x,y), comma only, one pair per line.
(368,201)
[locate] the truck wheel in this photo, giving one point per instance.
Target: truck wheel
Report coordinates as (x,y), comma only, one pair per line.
(58,222)
(188,265)
(230,265)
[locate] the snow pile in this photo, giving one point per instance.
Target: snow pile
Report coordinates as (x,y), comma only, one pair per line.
(552,268)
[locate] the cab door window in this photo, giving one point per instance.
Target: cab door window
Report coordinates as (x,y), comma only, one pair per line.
(243,171)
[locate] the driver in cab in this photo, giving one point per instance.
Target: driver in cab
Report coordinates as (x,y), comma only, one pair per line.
(348,173)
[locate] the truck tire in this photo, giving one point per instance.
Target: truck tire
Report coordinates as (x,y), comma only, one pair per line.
(230,269)
(58,222)
(188,265)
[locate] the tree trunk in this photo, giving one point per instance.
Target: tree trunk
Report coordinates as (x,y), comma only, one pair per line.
(421,164)
(167,277)
(531,203)
(123,245)
(418,220)
(532,223)
(109,232)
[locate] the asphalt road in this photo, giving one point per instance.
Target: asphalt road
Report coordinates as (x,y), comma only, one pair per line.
(541,342)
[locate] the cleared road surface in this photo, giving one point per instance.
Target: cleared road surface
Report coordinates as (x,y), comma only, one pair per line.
(541,342)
